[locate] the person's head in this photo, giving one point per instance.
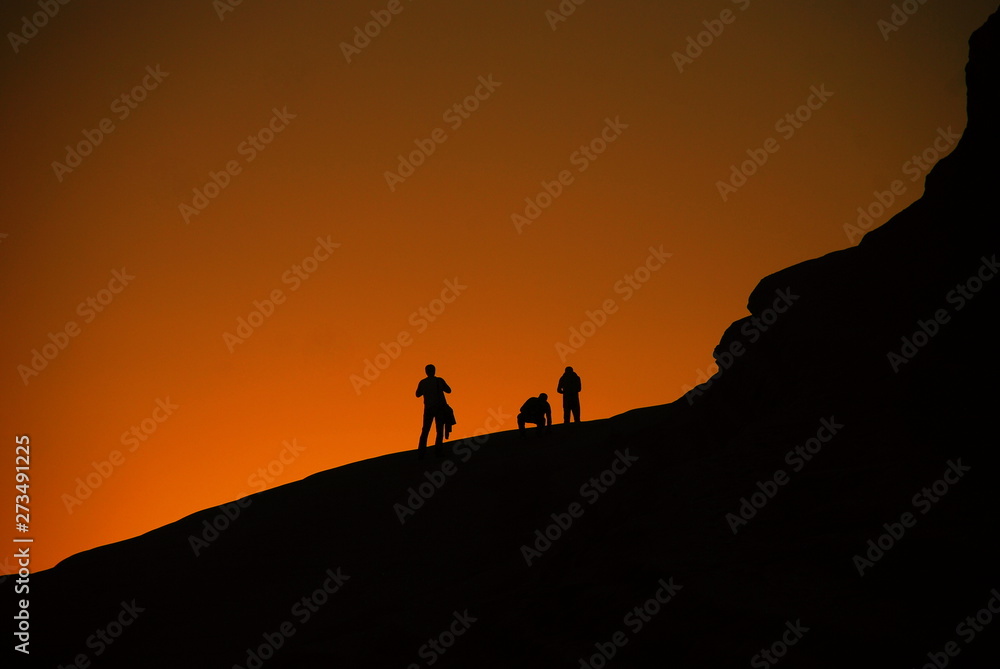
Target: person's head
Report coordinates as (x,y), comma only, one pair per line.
(569,369)
(430,370)
(543,396)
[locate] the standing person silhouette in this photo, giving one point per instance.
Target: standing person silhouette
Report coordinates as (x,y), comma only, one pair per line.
(432,389)
(569,387)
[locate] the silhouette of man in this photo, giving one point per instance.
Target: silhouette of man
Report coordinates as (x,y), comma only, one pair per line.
(569,387)
(535,410)
(436,409)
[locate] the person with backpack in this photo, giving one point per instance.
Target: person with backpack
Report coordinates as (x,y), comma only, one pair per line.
(535,410)
(436,410)
(569,387)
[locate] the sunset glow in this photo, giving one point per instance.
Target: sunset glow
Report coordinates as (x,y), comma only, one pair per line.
(234,234)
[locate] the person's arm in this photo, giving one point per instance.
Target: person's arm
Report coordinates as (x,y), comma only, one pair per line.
(548,413)
(420,389)
(444,386)
(560,387)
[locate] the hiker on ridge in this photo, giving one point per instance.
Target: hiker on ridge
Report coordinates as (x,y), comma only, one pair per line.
(436,409)
(569,387)
(537,411)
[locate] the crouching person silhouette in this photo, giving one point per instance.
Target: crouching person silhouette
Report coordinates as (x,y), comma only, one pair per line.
(537,411)
(436,410)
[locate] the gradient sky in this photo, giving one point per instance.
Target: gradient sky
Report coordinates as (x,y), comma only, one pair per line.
(341,126)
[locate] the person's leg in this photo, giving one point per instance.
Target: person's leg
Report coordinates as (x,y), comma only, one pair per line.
(520,424)
(439,429)
(424,431)
(567,407)
(573,407)
(439,437)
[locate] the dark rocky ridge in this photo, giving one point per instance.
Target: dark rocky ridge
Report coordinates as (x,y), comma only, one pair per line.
(665,517)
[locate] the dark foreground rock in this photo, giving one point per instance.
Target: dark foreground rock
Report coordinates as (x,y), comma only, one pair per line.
(828,500)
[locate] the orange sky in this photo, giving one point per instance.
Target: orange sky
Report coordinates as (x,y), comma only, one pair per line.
(326,132)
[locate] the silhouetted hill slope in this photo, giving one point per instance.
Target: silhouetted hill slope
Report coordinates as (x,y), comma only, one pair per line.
(662,521)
